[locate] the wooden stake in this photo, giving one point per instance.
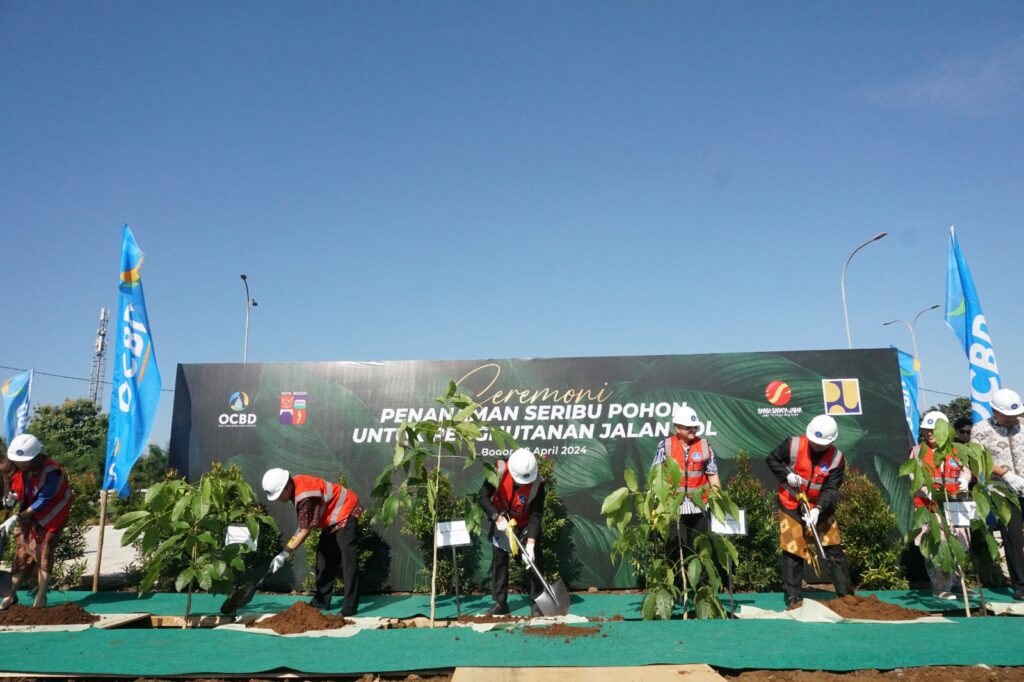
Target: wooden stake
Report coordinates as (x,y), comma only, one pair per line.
(99,545)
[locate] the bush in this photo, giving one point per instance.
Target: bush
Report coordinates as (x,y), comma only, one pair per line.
(419,524)
(871,541)
(759,569)
(555,539)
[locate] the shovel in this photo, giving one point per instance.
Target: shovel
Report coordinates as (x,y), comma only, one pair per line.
(554,600)
(838,582)
(244,592)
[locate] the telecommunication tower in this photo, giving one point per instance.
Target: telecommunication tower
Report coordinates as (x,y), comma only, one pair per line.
(99,360)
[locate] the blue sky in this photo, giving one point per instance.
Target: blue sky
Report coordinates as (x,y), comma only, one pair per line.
(472,180)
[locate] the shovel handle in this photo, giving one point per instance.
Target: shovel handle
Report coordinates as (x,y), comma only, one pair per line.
(529,562)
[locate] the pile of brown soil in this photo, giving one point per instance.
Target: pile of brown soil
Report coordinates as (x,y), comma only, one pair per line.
(870,608)
(65,614)
(944,673)
(560,630)
(300,617)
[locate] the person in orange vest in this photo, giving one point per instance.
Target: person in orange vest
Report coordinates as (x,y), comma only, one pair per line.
(44,498)
(949,480)
(335,510)
(812,465)
(519,496)
(698,466)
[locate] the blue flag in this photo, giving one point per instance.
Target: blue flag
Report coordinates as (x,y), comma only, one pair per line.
(964,317)
(17,392)
(136,392)
(910,381)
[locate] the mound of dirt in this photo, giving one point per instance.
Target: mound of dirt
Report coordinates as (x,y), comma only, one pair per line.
(65,614)
(560,630)
(298,618)
(871,608)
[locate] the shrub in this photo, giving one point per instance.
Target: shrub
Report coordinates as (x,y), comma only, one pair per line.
(758,571)
(419,523)
(871,541)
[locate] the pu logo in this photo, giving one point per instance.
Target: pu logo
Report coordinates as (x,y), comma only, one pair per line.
(842,396)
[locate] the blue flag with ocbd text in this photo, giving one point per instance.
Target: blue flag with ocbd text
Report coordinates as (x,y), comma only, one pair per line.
(137,385)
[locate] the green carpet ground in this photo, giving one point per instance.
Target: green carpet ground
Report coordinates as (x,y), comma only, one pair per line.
(732,644)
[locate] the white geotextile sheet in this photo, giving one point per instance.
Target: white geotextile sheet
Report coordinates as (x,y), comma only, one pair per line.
(816,612)
(78,627)
(1005,608)
(533,622)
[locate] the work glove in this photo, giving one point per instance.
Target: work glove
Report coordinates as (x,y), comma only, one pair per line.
(795,479)
(811,517)
(528,553)
(501,523)
(277,562)
(1015,482)
(965,483)
(8,525)
(10,500)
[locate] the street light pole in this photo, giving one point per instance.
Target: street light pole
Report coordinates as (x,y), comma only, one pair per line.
(912,327)
(842,284)
(250,303)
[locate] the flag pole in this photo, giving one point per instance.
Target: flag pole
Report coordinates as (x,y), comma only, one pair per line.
(99,544)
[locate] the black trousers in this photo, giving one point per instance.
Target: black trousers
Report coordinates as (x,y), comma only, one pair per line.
(792,569)
(499,574)
(332,550)
(1013,546)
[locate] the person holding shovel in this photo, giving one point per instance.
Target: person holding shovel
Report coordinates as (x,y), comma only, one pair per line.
(949,479)
(335,510)
(517,501)
(44,499)
(810,471)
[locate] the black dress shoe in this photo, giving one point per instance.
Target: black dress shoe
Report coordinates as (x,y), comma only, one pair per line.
(1018,595)
(348,614)
(794,604)
(497,610)
(318,605)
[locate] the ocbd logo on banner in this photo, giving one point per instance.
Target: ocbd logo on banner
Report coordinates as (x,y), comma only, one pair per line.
(238,403)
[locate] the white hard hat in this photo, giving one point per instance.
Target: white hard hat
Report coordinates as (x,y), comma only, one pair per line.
(684,416)
(930,419)
(274,482)
(24,448)
(822,430)
(1008,402)
(522,465)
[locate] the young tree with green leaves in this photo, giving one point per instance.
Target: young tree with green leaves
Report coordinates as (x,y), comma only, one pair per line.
(646,518)
(930,521)
(183,527)
(421,446)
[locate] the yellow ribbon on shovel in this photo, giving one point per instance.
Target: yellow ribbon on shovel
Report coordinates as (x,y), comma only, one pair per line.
(513,543)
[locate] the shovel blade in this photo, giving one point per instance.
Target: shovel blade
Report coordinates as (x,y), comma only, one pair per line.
(554,601)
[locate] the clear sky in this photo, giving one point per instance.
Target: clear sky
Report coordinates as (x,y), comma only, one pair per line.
(411,180)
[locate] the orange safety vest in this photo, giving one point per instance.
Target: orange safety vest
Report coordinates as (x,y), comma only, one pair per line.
(514,498)
(337,502)
(945,477)
(692,464)
(800,463)
(25,486)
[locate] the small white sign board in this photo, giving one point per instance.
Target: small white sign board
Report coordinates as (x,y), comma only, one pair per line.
(731,526)
(239,535)
(960,514)
(452,534)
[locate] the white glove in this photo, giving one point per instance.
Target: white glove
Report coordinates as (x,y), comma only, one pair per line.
(8,525)
(277,562)
(795,480)
(811,517)
(528,553)
(1015,482)
(965,483)
(501,523)
(10,500)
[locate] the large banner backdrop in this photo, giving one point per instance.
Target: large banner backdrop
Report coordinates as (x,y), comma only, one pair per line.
(593,416)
